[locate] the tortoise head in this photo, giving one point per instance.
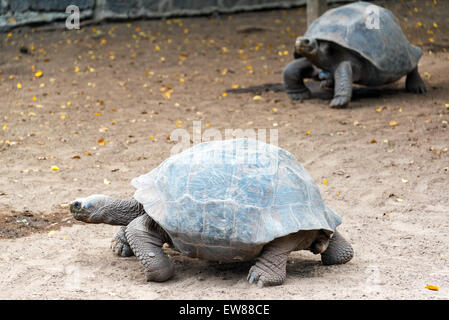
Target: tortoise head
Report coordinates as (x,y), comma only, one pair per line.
(306,46)
(90,209)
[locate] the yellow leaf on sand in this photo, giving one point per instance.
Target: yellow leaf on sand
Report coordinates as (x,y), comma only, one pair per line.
(393,123)
(54,168)
(430,287)
(4,127)
(167,94)
(19,85)
(102,142)
(257,98)
(38,74)
(51,232)
(179,123)
(307,132)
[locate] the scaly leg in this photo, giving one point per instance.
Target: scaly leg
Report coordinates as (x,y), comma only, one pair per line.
(294,74)
(270,267)
(343,85)
(120,245)
(146,244)
(414,83)
(338,251)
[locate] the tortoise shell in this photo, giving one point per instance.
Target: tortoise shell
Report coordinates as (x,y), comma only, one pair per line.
(371,31)
(223,200)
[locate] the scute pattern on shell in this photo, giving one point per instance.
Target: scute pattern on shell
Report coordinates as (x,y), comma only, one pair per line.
(387,48)
(232,193)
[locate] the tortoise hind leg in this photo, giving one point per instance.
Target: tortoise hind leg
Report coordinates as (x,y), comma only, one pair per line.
(120,245)
(414,83)
(339,250)
(146,244)
(270,267)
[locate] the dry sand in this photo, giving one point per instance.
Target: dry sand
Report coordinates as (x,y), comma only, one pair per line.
(108,122)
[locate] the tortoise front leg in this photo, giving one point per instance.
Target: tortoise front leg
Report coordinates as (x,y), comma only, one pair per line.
(343,85)
(294,74)
(146,244)
(120,245)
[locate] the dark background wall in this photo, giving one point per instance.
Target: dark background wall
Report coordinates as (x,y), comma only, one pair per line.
(15,13)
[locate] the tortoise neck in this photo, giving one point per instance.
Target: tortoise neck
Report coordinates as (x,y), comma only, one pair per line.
(122,212)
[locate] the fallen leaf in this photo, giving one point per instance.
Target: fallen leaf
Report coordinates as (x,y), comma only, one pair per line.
(38,74)
(102,142)
(307,132)
(393,123)
(257,98)
(54,168)
(51,232)
(433,288)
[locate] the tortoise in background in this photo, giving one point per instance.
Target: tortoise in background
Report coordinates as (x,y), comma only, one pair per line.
(344,46)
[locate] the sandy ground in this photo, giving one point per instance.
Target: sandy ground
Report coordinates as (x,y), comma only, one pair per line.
(108,97)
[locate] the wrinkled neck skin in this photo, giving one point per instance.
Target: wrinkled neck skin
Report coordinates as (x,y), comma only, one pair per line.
(118,212)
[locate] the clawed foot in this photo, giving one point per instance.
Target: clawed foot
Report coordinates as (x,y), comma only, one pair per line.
(263,278)
(340,102)
(121,248)
(419,89)
(303,95)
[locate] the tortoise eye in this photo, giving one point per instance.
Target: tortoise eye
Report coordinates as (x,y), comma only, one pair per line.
(77,205)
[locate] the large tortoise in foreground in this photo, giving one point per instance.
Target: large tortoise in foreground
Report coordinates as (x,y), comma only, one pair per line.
(231,200)
(356,43)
